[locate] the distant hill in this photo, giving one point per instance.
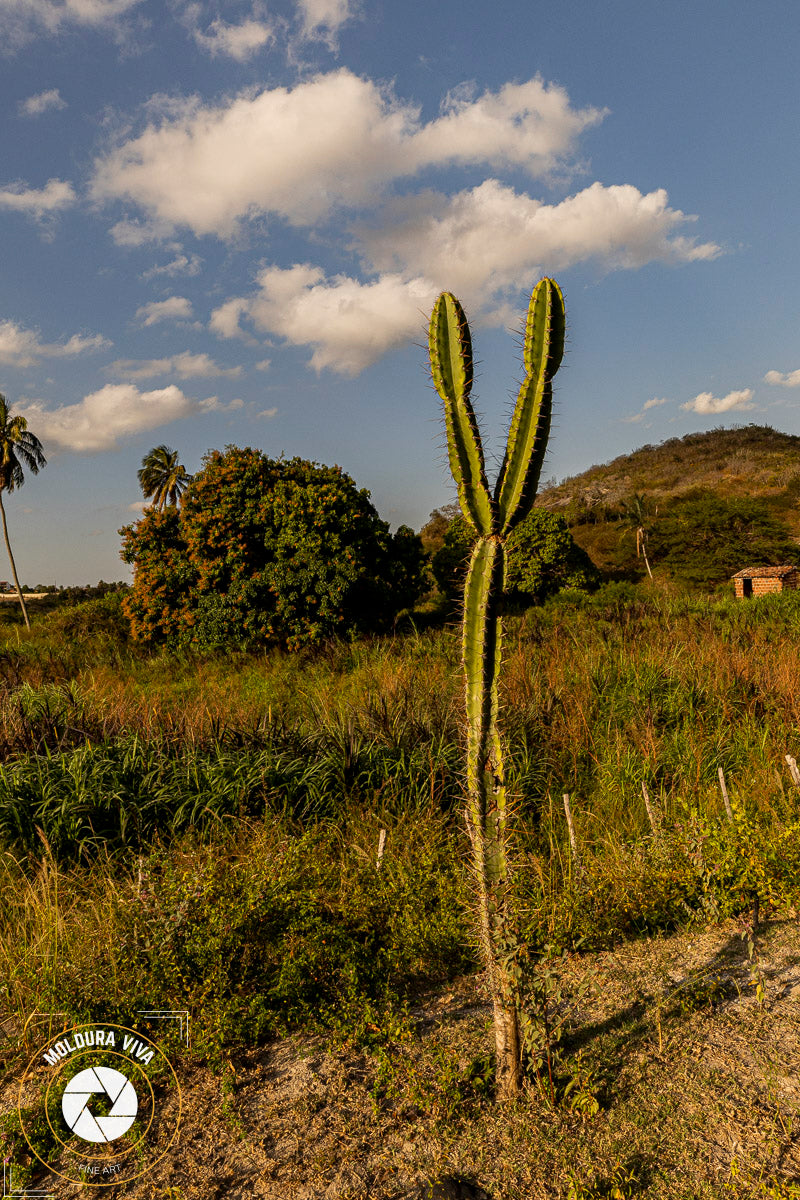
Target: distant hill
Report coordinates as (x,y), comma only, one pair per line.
(752,461)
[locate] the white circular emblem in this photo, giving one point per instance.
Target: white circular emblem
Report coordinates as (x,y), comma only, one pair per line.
(103,1081)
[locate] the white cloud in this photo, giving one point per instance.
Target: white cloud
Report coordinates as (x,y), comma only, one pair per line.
(706,404)
(790,380)
(184,366)
(98,421)
(24,348)
(494,237)
(267,413)
(323,18)
(38,202)
(181,264)
(240,41)
(484,244)
(34,106)
(21,20)
(175,308)
(348,324)
(138,233)
(656,402)
(214,404)
(225,319)
(335,139)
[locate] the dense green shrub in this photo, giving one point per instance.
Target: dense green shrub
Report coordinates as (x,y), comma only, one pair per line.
(264,929)
(267,549)
(542,559)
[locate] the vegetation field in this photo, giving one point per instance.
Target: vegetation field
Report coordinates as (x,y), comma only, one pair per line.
(201,832)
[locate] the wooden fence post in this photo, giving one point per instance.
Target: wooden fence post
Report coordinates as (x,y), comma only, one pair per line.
(381,846)
(573,842)
(654,825)
(728,808)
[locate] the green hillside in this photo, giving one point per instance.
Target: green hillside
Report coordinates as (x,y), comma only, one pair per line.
(751,463)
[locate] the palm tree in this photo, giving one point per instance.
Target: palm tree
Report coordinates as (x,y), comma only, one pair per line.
(18,447)
(636,518)
(163,477)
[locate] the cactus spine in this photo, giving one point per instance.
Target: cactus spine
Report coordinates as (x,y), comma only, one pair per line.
(492,516)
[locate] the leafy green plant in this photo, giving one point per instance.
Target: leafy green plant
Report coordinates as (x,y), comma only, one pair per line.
(542,559)
(267,549)
(492,516)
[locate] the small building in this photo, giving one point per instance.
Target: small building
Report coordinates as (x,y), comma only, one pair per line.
(757,581)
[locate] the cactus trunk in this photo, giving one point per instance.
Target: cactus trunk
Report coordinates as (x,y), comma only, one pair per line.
(486,792)
(492,517)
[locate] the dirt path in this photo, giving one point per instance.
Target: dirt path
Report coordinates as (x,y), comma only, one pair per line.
(691,1053)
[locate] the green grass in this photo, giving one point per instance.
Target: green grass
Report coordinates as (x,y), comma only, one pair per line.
(201,832)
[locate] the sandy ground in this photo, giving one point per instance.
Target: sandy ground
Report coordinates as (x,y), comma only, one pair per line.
(696,1077)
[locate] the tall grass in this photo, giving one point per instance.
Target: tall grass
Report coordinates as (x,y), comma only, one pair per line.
(272,771)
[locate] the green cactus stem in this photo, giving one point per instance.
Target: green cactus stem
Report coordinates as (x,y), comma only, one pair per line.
(492,517)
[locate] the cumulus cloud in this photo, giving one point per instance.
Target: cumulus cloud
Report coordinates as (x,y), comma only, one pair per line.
(174,308)
(706,404)
(791,380)
(21,347)
(23,19)
(347,324)
(494,237)
(34,106)
(98,421)
(38,202)
(336,139)
(184,366)
(485,244)
(240,41)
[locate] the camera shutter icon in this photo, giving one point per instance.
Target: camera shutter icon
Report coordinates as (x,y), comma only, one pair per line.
(99,1081)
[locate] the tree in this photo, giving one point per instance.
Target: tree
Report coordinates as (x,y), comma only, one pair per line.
(704,538)
(156,605)
(542,558)
(433,532)
(635,517)
(163,477)
(267,549)
(18,448)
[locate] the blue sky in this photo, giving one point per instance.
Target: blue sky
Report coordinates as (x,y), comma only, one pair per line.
(227,224)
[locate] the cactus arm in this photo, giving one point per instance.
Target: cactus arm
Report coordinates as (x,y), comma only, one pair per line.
(450,349)
(530,424)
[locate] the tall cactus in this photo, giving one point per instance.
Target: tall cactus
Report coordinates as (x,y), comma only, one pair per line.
(492,516)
